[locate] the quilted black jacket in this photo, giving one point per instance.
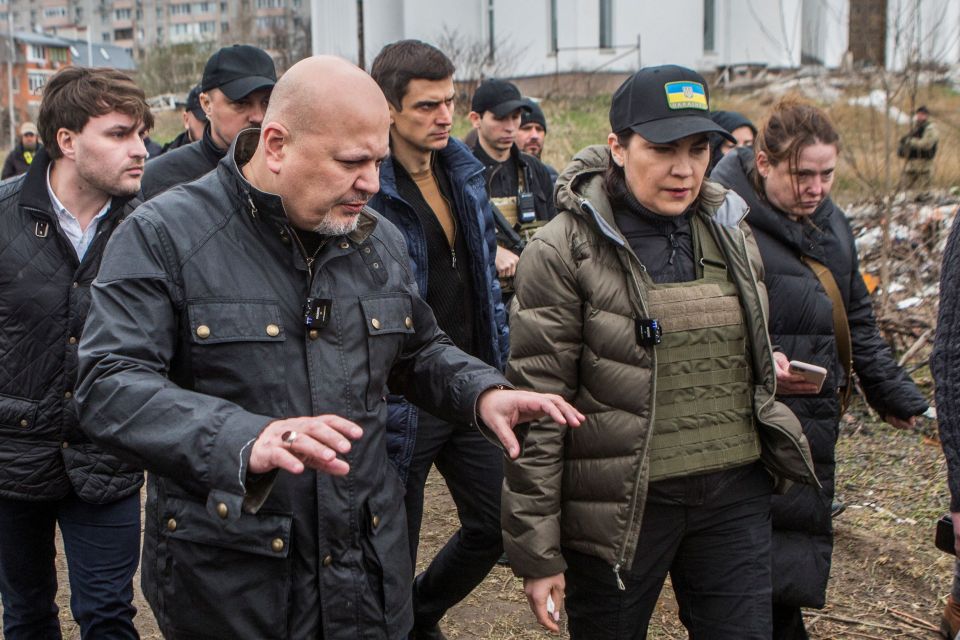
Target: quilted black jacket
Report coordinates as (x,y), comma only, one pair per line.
(44,296)
(801,324)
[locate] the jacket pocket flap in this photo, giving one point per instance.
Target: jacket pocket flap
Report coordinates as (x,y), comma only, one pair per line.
(388,313)
(17,412)
(235,321)
(263,534)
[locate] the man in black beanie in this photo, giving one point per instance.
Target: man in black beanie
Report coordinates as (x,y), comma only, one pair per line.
(533,132)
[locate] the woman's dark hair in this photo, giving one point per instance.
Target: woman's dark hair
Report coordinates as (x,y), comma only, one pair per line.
(614,178)
(792,126)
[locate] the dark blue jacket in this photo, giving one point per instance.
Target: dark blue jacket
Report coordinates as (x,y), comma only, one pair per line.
(471,206)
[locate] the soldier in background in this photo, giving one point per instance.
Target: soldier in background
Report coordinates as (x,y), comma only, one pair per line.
(918,148)
(519,185)
(533,133)
(194,122)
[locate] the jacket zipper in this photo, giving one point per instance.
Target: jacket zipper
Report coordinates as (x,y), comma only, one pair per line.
(756,292)
(622,554)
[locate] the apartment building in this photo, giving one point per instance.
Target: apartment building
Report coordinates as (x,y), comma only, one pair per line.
(138,25)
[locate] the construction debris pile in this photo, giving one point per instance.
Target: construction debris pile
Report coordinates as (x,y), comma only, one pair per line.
(903,270)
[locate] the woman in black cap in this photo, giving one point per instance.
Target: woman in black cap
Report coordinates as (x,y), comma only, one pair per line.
(820,314)
(738,126)
(641,303)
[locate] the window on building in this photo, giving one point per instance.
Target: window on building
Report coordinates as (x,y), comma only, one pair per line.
(140,34)
(36,53)
(204,7)
(54,12)
(554,35)
(709,25)
(78,14)
(139,14)
(105,36)
(606,24)
(159,33)
(16,84)
(122,14)
(123,34)
(269,4)
(58,54)
(35,82)
(208,27)
(223,7)
(180,9)
(224,27)
(266,23)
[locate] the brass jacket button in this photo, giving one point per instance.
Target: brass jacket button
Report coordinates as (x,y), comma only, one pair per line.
(222,510)
(67,394)
(72,340)
(375,323)
(327,561)
(171,525)
(203,331)
(313,334)
(64,445)
(344,245)
(277,545)
(24,423)
(375,521)
(408,322)
(273,330)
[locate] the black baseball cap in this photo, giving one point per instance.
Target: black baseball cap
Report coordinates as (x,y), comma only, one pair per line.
(193,104)
(499,96)
(238,71)
(664,104)
(533,113)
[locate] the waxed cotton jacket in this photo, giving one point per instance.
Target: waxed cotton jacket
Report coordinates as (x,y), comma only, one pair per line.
(196,342)
(572,328)
(801,324)
(44,297)
(471,206)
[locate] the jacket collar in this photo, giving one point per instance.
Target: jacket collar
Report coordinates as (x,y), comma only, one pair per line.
(34,195)
(457,159)
(261,204)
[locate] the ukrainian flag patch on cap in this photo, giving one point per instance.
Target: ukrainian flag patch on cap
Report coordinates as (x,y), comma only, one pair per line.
(686,95)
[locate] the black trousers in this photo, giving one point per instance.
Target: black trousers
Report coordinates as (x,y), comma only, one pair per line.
(711,532)
(473,470)
(102,546)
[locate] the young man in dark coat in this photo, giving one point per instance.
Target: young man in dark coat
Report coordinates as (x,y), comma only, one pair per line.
(244,330)
(54,225)
(433,189)
(234,94)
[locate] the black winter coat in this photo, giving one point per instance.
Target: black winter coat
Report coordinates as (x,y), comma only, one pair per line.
(801,324)
(196,342)
(180,166)
(44,297)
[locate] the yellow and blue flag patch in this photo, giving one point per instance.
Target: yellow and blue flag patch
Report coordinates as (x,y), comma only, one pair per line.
(686,95)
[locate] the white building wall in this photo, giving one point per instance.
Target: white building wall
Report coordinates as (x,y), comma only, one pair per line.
(929,29)
(767,32)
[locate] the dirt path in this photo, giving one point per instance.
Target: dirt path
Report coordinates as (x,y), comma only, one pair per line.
(887,581)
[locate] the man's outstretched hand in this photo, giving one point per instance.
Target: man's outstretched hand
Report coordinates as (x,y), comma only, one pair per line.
(503,409)
(298,443)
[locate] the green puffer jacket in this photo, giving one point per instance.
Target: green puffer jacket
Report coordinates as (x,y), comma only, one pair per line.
(573,333)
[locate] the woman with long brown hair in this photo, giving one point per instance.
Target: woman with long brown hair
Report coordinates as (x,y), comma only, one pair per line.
(820,314)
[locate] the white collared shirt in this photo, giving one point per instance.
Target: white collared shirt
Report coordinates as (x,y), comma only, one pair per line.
(79,238)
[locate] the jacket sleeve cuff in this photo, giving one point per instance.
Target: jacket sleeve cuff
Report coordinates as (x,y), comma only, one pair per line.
(524,565)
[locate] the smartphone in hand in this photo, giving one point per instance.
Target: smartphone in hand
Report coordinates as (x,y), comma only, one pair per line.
(810,372)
